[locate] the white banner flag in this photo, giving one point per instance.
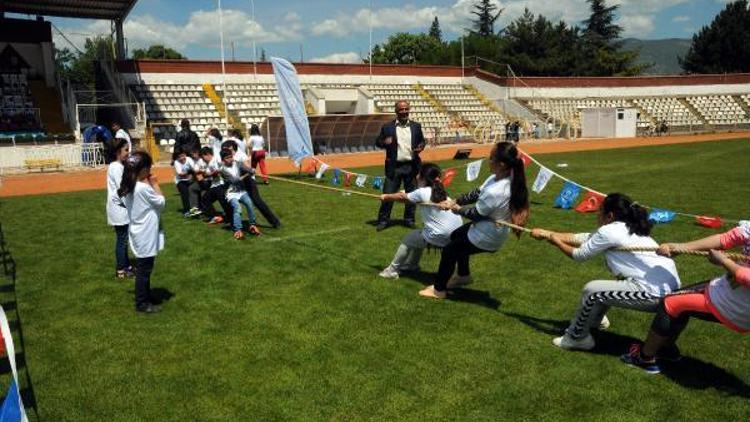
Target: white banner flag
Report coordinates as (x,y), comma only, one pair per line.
(361,180)
(542,178)
(472,170)
(321,170)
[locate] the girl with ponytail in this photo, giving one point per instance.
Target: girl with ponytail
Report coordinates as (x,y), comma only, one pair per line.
(642,278)
(503,196)
(438,224)
(117,214)
(144,201)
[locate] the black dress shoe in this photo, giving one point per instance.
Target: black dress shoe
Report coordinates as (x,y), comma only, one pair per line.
(411,224)
(381,226)
(147,309)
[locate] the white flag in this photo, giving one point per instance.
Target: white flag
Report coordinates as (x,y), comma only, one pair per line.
(361,180)
(472,170)
(542,178)
(321,170)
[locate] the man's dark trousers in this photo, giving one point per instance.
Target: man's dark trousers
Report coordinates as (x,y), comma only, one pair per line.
(403,172)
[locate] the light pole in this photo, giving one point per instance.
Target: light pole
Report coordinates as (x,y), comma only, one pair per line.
(255,52)
(223,69)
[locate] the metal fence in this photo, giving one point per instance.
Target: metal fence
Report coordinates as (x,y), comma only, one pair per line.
(69,155)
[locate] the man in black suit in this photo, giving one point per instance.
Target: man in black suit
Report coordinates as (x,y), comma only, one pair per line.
(186,140)
(402,140)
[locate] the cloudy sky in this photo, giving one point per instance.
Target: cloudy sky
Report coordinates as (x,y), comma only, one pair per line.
(337,30)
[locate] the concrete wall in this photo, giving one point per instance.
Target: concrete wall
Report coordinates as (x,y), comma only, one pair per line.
(39,56)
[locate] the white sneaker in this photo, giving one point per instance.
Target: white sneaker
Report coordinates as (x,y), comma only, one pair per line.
(459,280)
(569,343)
(389,272)
(604,325)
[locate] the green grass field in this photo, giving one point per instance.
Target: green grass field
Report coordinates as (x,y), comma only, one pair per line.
(297,325)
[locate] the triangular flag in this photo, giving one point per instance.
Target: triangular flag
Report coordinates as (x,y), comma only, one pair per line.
(336,179)
(567,196)
(542,179)
(321,170)
(348,179)
(448,176)
(710,222)
(360,181)
(525,158)
(591,202)
(377,182)
(472,170)
(661,216)
(12,409)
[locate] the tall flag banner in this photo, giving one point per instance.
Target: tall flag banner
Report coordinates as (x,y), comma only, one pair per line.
(710,222)
(591,202)
(336,179)
(348,179)
(525,158)
(661,216)
(567,196)
(296,125)
(377,182)
(448,176)
(12,408)
(542,179)
(472,170)
(321,170)
(361,180)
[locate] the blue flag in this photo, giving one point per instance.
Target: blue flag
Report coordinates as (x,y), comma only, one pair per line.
(336,179)
(567,196)
(296,125)
(11,410)
(377,182)
(661,216)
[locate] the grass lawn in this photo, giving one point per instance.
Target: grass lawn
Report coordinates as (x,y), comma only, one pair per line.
(297,325)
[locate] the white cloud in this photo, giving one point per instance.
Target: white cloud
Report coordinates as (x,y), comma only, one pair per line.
(201,29)
(348,57)
(681,18)
(636,25)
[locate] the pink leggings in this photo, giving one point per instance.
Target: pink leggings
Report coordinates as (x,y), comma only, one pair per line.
(259,158)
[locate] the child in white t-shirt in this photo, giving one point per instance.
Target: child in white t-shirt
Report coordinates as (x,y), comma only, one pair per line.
(438,223)
(184,170)
(258,153)
(117,214)
(144,201)
(216,188)
(236,194)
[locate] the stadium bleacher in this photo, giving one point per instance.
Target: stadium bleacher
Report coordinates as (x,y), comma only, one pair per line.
(17,106)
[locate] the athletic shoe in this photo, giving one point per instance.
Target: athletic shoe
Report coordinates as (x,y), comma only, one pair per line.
(569,343)
(187,214)
(389,272)
(634,358)
(254,230)
(459,281)
(604,324)
(239,235)
(430,292)
(194,212)
(669,354)
(147,308)
(216,220)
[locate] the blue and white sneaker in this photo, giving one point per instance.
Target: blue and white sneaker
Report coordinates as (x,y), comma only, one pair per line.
(634,358)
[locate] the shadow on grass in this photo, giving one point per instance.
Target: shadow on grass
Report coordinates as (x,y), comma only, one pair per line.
(689,372)
(159,295)
(391,223)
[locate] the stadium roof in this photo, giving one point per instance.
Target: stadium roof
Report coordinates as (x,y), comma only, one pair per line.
(87,9)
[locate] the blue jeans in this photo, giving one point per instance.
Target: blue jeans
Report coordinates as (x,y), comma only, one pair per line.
(237,218)
(121,247)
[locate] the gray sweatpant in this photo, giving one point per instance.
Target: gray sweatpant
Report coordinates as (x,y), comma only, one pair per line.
(409,251)
(599,295)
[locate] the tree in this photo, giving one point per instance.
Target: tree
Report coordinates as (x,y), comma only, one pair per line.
(602,54)
(484,24)
(405,48)
(435,31)
(157,51)
(724,45)
(262,54)
(80,69)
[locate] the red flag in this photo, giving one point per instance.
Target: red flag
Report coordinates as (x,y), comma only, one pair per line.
(348,179)
(448,176)
(311,167)
(591,202)
(710,222)
(525,158)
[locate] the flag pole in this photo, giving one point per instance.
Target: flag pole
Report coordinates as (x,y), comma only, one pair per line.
(370,24)
(223,69)
(255,51)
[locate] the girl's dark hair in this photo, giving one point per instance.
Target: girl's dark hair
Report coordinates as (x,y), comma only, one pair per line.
(206,151)
(134,165)
(431,175)
(254,130)
(507,153)
(215,133)
(225,152)
(229,145)
(624,209)
(116,145)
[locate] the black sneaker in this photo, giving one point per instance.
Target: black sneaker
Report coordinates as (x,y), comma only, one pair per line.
(147,308)
(410,224)
(381,226)
(634,358)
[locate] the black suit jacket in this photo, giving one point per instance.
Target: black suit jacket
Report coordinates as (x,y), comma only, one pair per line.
(391,151)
